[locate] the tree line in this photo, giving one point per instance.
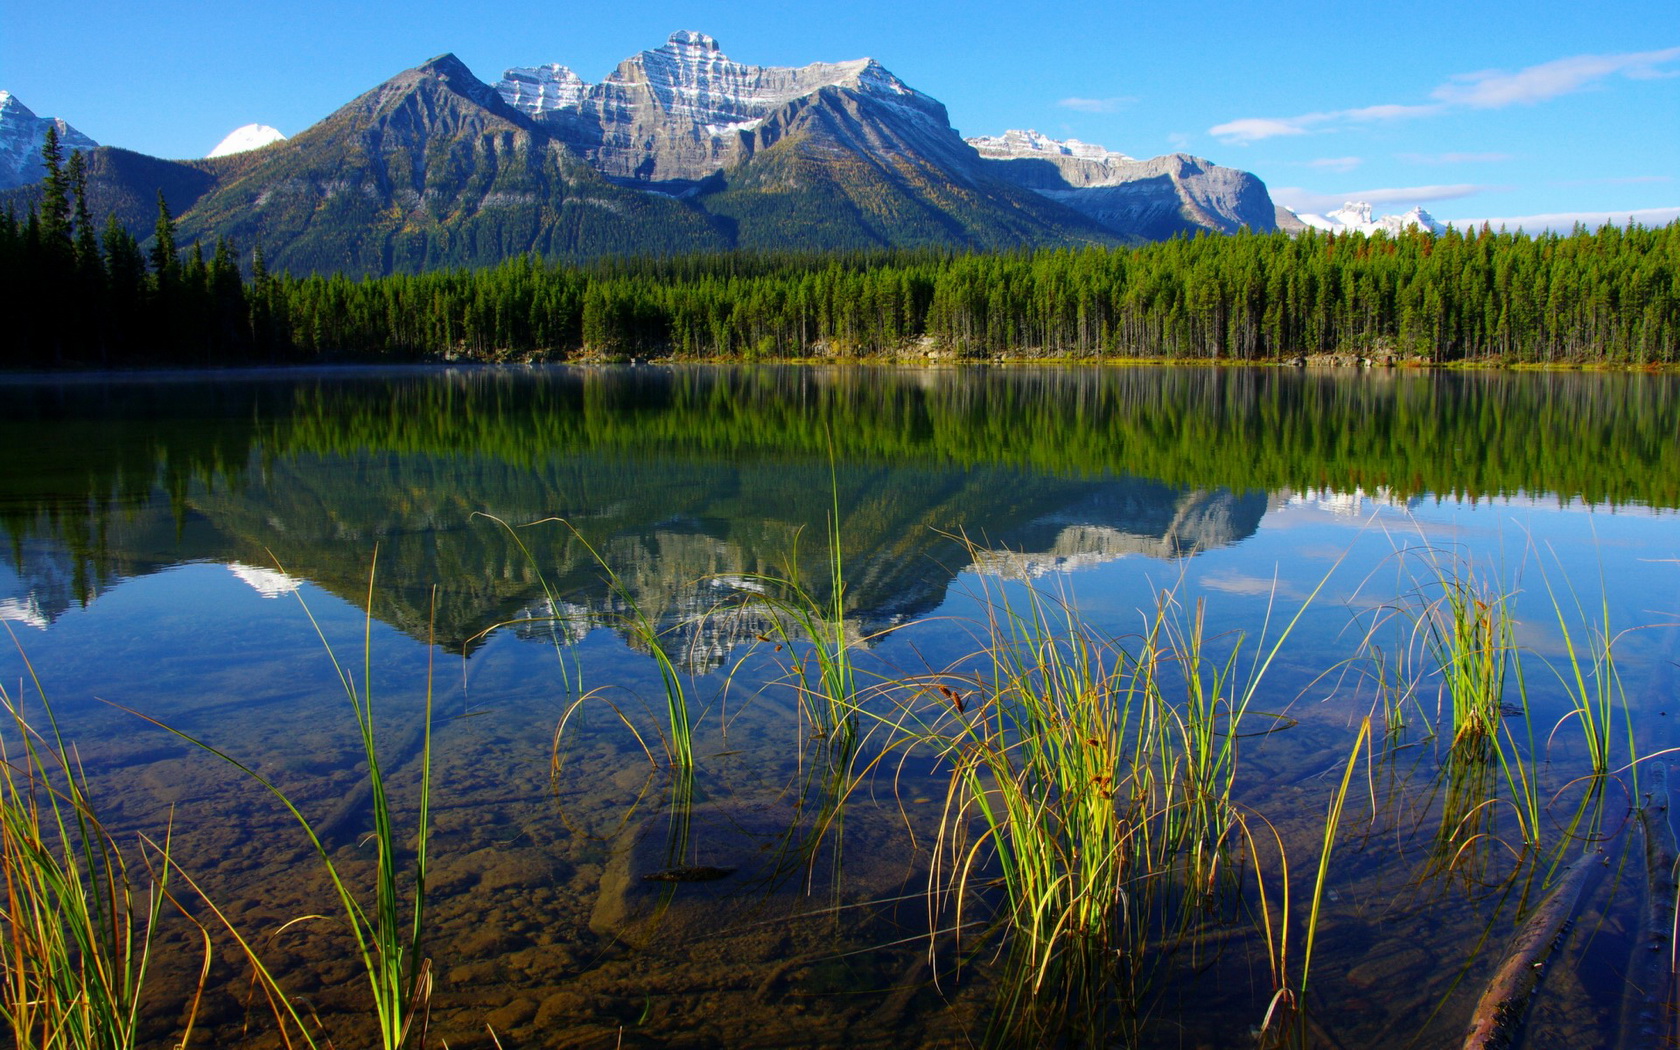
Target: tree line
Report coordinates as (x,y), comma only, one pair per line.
(101,298)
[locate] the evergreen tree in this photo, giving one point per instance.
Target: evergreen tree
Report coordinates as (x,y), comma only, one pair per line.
(87,242)
(55,198)
(166,264)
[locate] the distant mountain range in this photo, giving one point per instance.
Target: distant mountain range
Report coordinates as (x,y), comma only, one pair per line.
(1355,217)
(678,150)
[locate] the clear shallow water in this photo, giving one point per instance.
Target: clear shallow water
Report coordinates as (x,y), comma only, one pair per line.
(162,534)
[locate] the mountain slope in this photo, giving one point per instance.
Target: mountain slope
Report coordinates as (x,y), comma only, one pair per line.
(840,169)
(429,169)
(679,150)
(1153,199)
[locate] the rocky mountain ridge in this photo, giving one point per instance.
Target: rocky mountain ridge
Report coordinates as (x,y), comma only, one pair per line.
(679,149)
(1155,198)
(22,134)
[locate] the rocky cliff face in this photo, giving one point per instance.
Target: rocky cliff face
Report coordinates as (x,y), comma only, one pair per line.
(22,134)
(1153,199)
(685,110)
(680,149)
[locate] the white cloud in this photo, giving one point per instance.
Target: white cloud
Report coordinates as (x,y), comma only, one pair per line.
(1370,114)
(1253,129)
(1097,105)
(1496,89)
(1343,164)
(1563,222)
(1487,89)
(1302,200)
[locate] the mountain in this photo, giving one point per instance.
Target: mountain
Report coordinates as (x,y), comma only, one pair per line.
(22,134)
(430,169)
(1355,217)
(686,111)
(1152,199)
(245,138)
(680,149)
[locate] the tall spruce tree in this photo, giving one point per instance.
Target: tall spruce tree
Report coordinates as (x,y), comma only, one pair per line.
(87,242)
(55,199)
(166,264)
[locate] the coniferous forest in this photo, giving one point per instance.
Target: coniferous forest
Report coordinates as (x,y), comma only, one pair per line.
(91,296)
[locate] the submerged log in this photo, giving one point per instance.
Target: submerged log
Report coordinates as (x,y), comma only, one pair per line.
(1502,1005)
(1648,1008)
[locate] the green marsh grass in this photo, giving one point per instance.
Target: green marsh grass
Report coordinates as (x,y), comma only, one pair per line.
(1286,1014)
(1099,776)
(803,623)
(1468,631)
(678,737)
(79,925)
(388,945)
(1589,677)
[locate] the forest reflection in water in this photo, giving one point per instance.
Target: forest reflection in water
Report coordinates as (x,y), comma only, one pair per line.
(956,490)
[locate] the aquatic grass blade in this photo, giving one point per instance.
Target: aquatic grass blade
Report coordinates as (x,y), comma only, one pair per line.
(78,930)
(392,962)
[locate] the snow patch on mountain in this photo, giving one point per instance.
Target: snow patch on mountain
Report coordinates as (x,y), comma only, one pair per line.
(542,89)
(22,134)
(691,79)
(248,137)
(1014,144)
(1355,217)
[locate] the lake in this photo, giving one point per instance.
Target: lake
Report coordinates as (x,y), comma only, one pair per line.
(1172,615)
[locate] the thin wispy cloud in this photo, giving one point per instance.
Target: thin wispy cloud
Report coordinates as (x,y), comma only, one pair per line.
(1496,89)
(1097,105)
(1487,89)
(1343,164)
(1253,129)
(1455,158)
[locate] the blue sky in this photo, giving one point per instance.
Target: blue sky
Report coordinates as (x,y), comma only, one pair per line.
(1472,110)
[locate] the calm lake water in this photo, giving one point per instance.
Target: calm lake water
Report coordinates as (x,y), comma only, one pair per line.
(170,539)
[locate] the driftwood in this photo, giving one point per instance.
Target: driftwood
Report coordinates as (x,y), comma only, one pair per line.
(1502,1005)
(1648,1007)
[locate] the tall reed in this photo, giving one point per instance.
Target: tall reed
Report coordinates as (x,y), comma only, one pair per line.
(389,946)
(1468,631)
(1038,747)
(806,624)
(1590,679)
(78,930)
(679,735)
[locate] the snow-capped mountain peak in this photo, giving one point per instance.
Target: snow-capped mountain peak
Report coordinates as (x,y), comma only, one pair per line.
(687,105)
(1014,144)
(539,89)
(689,77)
(248,137)
(22,134)
(1355,217)
(1352,213)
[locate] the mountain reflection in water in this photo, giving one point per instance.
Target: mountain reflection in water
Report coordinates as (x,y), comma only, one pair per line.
(683,476)
(149,519)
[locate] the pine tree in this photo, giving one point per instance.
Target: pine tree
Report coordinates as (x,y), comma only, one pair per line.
(166,265)
(55,198)
(87,243)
